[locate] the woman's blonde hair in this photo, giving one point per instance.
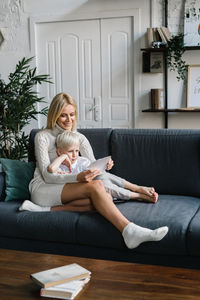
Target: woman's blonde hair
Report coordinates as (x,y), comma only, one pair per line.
(56,107)
(66,139)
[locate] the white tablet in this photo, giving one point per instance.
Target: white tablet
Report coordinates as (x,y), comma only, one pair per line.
(100,164)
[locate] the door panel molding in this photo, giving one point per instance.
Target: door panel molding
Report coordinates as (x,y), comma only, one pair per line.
(135,61)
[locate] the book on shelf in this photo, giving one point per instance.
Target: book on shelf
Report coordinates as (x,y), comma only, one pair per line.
(67,290)
(162,36)
(166,33)
(149,37)
(146,62)
(60,275)
(157,34)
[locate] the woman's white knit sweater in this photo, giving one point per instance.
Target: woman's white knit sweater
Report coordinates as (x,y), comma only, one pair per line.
(45,153)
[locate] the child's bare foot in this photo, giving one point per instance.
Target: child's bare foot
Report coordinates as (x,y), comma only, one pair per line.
(149,191)
(143,197)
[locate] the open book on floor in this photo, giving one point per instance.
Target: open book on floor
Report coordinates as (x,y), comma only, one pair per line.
(68,290)
(60,275)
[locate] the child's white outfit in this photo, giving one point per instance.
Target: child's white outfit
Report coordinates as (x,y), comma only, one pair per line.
(112,183)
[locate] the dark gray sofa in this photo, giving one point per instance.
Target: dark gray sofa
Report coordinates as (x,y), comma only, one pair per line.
(167,159)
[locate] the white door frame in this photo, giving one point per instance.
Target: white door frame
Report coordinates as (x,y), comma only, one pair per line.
(133,13)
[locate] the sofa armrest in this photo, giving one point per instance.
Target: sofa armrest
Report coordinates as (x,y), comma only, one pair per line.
(2,186)
(31,148)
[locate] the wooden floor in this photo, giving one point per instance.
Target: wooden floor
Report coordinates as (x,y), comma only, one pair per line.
(109,280)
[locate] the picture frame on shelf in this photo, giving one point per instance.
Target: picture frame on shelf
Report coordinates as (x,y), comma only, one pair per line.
(193,86)
(156,62)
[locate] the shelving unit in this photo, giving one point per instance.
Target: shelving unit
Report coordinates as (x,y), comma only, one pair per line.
(166,110)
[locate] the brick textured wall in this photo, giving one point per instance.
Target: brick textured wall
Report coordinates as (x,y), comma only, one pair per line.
(13,24)
(175,14)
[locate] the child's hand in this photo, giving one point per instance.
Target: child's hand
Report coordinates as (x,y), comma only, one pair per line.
(110,164)
(67,163)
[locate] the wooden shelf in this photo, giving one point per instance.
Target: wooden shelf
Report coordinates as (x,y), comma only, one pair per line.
(164,49)
(192,47)
(171,110)
(154,49)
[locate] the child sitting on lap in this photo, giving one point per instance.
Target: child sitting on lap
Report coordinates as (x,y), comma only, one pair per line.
(68,146)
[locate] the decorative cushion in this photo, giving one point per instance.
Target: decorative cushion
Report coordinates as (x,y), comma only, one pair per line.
(18,175)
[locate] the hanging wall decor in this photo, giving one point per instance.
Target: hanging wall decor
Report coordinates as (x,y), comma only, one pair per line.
(192,23)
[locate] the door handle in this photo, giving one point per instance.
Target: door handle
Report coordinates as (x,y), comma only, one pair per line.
(96,108)
(93,107)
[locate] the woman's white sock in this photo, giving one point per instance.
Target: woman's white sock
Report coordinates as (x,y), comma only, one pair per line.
(28,205)
(134,235)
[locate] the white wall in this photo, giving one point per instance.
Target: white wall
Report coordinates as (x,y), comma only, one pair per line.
(14,23)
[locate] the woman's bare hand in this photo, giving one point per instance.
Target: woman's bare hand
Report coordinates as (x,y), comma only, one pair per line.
(87,175)
(110,164)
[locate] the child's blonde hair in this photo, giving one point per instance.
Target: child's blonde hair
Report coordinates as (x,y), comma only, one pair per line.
(67,139)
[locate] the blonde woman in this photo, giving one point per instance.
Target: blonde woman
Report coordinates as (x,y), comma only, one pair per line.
(69,192)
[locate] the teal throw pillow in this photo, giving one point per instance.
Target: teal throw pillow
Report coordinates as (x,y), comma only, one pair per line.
(18,175)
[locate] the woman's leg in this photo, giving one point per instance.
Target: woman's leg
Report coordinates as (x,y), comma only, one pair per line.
(93,194)
(100,199)
(133,234)
(82,205)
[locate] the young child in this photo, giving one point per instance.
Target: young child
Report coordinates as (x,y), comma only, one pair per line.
(68,145)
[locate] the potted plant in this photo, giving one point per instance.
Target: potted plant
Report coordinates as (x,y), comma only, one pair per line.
(18,99)
(176,48)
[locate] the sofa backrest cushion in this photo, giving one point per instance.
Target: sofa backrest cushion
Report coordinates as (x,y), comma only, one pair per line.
(99,139)
(167,159)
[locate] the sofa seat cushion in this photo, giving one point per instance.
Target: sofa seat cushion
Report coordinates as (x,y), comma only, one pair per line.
(45,226)
(175,212)
(91,229)
(193,242)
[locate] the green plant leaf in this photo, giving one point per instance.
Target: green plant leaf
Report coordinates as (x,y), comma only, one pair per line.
(176,48)
(18,106)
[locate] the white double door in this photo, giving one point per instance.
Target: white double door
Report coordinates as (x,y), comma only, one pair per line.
(92,61)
